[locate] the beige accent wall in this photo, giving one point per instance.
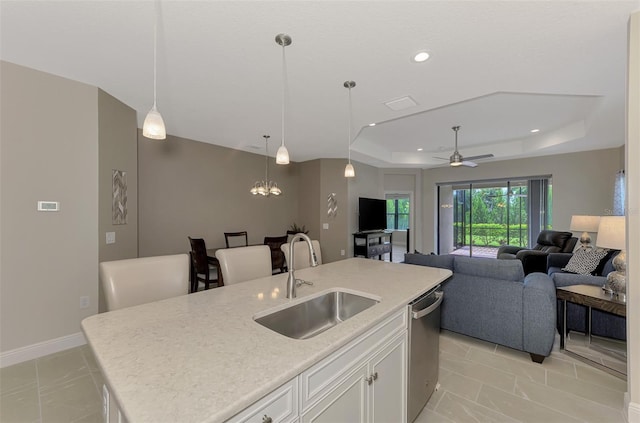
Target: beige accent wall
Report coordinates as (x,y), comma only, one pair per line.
(633,219)
(335,239)
(309,198)
(49,151)
(582,184)
(190,188)
(117,149)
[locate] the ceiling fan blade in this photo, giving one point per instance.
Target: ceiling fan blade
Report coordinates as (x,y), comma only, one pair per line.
(467,163)
(440,158)
(480,157)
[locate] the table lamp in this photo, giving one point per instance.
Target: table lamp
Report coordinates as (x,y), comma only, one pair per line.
(611,234)
(584,224)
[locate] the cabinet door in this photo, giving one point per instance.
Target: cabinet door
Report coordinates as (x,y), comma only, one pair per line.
(388,391)
(347,402)
(280,406)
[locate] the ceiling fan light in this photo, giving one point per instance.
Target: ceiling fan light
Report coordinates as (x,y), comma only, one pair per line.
(349,171)
(455,164)
(282,156)
(153,126)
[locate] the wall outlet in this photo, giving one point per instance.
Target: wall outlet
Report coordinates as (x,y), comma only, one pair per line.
(342,252)
(84,302)
(325,226)
(111,238)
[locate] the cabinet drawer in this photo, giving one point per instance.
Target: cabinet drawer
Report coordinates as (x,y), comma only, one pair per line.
(317,380)
(280,405)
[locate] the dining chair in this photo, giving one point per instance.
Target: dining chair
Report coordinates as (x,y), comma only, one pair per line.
(301,251)
(202,270)
(130,282)
(244,263)
(236,239)
(277,256)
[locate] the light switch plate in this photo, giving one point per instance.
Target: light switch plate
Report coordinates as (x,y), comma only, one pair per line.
(325,226)
(111,238)
(49,206)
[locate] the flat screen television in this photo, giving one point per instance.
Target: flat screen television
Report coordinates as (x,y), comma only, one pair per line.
(372,214)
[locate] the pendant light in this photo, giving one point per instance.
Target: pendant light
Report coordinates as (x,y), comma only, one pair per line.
(266,187)
(153,126)
(282,156)
(349,171)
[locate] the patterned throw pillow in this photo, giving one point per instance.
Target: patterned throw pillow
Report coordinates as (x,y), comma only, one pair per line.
(585,261)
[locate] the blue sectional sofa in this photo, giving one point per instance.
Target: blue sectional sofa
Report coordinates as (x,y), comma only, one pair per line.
(492,300)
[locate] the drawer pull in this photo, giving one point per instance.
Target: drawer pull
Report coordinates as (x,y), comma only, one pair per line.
(375,376)
(267,419)
(369,380)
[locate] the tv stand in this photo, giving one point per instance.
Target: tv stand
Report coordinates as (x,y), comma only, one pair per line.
(372,243)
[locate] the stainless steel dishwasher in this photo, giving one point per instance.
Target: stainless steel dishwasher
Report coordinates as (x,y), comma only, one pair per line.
(424,335)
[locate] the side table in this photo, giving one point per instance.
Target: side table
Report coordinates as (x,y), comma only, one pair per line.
(592,297)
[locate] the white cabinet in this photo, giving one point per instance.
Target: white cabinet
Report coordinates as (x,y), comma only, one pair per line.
(346,401)
(280,405)
(388,391)
(375,391)
(364,381)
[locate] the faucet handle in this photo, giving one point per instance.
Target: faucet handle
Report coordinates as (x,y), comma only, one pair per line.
(300,282)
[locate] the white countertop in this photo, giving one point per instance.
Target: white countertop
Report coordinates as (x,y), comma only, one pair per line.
(202,358)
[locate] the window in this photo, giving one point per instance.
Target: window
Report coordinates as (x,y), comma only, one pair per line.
(475,218)
(397,212)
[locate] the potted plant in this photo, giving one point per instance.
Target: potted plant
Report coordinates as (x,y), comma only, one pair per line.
(295,229)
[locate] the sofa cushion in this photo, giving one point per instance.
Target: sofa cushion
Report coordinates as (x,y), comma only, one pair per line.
(607,267)
(585,260)
(509,270)
(431,260)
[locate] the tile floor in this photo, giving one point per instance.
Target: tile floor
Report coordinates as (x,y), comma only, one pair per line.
(479,382)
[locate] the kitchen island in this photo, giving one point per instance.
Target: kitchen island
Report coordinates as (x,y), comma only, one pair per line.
(202,358)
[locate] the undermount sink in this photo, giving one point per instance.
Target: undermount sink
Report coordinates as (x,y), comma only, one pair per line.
(315,315)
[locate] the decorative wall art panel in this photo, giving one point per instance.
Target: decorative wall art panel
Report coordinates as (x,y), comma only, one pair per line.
(119,206)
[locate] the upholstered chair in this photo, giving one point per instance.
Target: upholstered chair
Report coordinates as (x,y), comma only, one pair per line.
(242,264)
(130,282)
(301,250)
(535,259)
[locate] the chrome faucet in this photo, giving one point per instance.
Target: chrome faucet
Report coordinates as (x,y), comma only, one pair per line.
(291,280)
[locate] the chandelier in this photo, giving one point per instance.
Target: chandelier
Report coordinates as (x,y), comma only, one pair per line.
(266,187)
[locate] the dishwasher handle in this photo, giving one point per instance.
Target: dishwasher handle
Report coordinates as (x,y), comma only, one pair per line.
(421,313)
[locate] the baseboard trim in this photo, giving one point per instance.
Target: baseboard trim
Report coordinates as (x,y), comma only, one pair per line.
(40,349)
(633,412)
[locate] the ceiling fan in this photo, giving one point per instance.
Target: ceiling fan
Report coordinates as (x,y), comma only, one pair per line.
(456,158)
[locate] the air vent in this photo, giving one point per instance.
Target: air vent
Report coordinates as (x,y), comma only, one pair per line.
(401,103)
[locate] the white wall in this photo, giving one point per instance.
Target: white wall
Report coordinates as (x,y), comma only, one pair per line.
(633,219)
(49,144)
(582,184)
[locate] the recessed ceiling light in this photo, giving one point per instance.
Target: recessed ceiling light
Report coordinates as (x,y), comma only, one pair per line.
(420,56)
(533,131)
(372,124)
(420,149)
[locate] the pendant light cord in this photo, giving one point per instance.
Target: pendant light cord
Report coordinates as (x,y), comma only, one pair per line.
(155,52)
(266,160)
(284,87)
(350,117)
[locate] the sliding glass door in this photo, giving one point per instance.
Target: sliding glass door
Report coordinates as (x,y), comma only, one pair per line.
(475,218)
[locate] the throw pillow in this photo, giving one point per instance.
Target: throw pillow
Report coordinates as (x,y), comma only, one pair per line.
(584,261)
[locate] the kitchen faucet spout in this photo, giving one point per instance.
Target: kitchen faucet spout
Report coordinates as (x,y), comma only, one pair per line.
(291,279)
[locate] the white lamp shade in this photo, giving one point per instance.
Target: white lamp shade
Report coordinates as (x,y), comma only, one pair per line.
(153,126)
(580,223)
(611,232)
(349,171)
(282,156)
